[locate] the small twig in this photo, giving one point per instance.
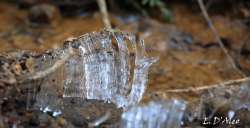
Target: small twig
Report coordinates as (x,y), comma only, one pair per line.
(207,87)
(103,8)
(139,8)
(217,37)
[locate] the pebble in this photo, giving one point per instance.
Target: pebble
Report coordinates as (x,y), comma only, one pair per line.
(44,14)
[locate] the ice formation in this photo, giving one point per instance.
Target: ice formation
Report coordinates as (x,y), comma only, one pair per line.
(159,114)
(111,66)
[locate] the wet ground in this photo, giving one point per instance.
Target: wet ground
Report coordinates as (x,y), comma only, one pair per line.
(189,55)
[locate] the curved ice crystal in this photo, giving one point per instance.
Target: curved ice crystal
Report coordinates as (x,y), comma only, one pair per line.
(107,65)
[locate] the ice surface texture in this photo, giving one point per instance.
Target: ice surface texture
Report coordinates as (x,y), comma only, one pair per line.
(159,114)
(111,66)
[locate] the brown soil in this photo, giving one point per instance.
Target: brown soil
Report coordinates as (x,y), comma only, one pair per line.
(189,55)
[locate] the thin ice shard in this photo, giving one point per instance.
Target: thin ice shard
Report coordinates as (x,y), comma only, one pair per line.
(155,115)
(48,98)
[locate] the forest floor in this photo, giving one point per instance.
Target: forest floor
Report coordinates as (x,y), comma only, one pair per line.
(189,55)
